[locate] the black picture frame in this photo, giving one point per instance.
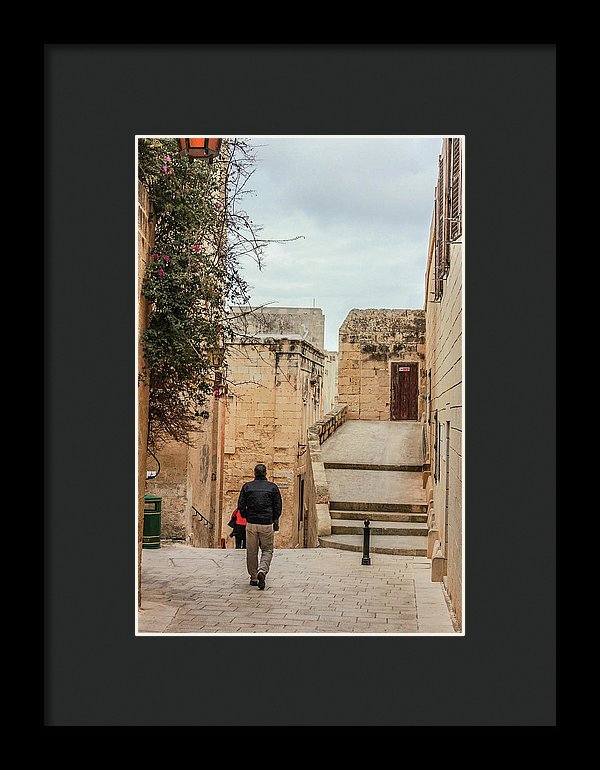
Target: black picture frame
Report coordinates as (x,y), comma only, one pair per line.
(97,97)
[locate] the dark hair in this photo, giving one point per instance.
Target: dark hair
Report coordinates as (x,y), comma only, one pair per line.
(260,471)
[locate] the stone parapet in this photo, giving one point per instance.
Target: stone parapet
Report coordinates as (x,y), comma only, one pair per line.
(329,423)
(317,489)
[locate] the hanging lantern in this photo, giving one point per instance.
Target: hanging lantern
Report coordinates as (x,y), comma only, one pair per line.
(203,147)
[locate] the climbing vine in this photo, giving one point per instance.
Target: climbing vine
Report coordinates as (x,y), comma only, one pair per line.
(193,279)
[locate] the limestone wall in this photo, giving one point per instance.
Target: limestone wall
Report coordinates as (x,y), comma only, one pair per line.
(444,362)
(307,322)
(145,242)
(369,341)
(191,477)
(443,417)
(274,395)
(171,485)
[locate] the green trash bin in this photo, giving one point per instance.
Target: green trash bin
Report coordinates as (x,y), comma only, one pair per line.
(152,513)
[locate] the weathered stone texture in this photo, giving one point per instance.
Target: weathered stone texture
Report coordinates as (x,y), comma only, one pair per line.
(307,322)
(274,397)
(145,242)
(444,369)
(369,341)
(192,477)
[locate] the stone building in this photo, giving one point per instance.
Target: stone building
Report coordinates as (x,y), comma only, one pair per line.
(145,242)
(274,395)
(190,478)
(443,362)
(381,371)
(275,382)
(279,380)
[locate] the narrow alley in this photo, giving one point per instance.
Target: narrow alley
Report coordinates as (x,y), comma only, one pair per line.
(356,420)
(372,474)
(190,590)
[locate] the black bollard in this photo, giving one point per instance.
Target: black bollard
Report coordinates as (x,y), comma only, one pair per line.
(366,559)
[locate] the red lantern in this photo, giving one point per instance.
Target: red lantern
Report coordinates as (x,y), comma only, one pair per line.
(203,147)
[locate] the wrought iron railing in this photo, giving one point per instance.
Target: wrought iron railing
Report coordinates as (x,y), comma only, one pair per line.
(205,521)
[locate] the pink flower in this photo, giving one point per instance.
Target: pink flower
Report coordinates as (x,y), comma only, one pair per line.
(197,248)
(155,256)
(161,271)
(218,205)
(168,158)
(164,168)
(170,172)
(167,257)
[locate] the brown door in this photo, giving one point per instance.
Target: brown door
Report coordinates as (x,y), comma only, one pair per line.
(404,400)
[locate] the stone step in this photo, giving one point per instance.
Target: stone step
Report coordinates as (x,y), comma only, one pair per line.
(371,467)
(377,516)
(387,528)
(376,488)
(339,505)
(394,545)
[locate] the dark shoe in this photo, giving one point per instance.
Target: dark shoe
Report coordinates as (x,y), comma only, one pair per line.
(261,581)
(254,582)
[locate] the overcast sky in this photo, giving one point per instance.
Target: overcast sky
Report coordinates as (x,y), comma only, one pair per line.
(364,207)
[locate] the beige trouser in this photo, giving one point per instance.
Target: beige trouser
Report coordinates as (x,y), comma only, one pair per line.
(259,535)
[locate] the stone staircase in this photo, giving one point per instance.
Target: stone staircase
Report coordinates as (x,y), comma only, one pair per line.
(389,495)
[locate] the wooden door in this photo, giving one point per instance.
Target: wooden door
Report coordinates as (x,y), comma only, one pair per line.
(404,398)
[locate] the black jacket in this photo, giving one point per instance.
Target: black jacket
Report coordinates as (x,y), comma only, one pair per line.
(260,502)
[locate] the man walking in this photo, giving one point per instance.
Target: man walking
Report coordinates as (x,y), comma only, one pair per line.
(260,504)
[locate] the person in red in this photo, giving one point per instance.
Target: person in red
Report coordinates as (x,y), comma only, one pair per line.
(238,523)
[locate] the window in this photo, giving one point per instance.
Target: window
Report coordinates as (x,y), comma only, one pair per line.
(455,207)
(447,210)
(440,229)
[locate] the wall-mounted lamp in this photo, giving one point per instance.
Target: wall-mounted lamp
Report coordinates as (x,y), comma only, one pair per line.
(202,147)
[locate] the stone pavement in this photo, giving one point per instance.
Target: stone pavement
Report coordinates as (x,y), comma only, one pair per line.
(373,470)
(188,590)
(376,442)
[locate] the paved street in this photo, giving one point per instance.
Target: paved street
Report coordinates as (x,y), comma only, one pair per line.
(375,441)
(189,590)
